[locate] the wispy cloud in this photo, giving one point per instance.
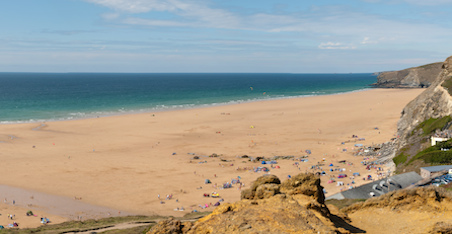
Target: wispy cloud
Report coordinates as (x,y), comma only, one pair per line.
(68,32)
(335,46)
(139,6)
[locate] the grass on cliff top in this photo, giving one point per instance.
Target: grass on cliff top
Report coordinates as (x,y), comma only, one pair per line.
(343,203)
(429,126)
(434,154)
(428,65)
(447,84)
(400,159)
(89,225)
(93,225)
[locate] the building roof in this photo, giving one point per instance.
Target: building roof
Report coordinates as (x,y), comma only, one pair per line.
(363,192)
(437,168)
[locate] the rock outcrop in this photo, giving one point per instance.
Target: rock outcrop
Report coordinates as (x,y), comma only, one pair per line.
(416,77)
(418,210)
(269,206)
(434,102)
(420,199)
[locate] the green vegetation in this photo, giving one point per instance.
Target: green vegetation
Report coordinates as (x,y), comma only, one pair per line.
(401,158)
(447,187)
(92,225)
(343,203)
(429,126)
(427,65)
(97,225)
(435,154)
(447,84)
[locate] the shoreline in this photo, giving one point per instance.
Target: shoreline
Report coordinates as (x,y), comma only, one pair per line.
(188,107)
(123,162)
(66,207)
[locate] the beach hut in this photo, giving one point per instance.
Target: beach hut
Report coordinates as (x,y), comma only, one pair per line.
(207,181)
(263,162)
(277,167)
(341,176)
(356,174)
(358,145)
(331,164)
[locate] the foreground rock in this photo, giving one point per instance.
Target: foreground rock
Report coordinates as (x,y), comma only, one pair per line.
(420,210)
(416,77)
(269,206)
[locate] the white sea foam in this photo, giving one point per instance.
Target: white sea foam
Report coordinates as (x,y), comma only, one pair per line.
(159,108)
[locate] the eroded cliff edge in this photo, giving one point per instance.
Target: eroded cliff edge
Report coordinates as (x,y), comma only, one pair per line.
(416,77)
(426,115)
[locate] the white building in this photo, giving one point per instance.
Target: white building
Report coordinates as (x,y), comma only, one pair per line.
(438,139)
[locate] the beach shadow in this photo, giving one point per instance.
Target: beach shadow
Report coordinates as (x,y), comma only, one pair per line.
(341,223)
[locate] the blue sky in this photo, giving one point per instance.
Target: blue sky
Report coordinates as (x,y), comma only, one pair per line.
(291,36)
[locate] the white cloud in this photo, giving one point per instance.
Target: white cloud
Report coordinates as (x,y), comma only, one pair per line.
(197,14)
(367,40)
(145,22)
(329,23)
(429,2)
(139,6)
(335,46)
(414,2)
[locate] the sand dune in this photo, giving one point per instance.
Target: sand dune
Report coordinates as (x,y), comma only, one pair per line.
(124,162)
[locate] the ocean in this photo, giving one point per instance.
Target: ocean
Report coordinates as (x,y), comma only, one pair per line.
(37,97)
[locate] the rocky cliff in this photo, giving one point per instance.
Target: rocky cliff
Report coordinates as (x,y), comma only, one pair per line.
(434,102)
(297,206)
(269,206)
(416,77)
(426,115)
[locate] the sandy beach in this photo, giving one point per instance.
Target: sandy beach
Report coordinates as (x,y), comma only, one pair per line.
(126,162)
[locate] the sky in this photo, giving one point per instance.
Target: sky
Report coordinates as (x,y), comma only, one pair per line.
(263,36)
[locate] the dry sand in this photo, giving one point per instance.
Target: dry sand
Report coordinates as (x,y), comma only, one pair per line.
(124,162)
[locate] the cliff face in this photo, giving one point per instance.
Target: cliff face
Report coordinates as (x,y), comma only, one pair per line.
(434,102)
(416,77)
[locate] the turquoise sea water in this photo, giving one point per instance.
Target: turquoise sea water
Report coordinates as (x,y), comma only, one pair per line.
(33,97)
